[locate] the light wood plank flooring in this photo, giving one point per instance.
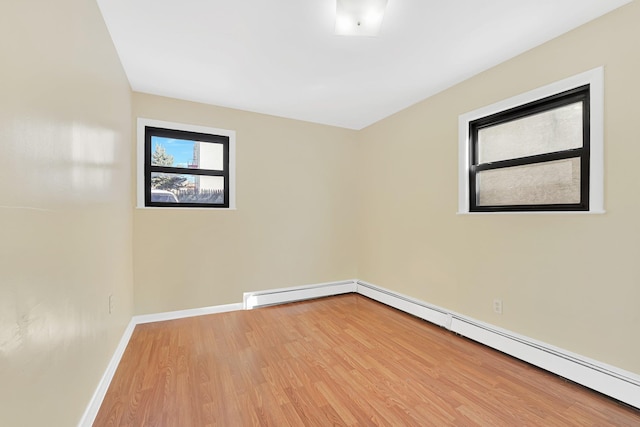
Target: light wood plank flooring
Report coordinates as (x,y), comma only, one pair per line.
(342,361)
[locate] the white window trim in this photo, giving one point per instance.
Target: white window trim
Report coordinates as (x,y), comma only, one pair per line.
(142,123)
(595,78)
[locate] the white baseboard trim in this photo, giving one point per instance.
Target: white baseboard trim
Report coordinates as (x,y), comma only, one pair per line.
(180,314)
(90,413)
(298,293)
(606,379)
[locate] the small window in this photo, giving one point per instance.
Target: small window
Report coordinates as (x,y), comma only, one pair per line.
(185,166)
(534,156)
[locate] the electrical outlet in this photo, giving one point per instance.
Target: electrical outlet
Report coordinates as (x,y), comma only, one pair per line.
(497,306)
(111,303)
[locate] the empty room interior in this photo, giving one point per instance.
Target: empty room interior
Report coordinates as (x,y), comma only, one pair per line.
(362,176)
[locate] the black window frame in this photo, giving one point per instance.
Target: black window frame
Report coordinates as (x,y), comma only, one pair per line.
(578,94)
(151,131)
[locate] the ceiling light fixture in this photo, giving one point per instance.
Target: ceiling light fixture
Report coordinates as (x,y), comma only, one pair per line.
(359,17)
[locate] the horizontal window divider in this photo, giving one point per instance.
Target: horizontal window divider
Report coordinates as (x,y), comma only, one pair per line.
(186,171)
(529,160)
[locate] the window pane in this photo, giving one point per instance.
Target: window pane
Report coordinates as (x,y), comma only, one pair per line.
(541,183)
(184,153)
(177,188)
(546,132)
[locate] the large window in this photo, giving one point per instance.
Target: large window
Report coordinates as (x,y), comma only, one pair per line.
(185,166)
(532,157)
(535,153)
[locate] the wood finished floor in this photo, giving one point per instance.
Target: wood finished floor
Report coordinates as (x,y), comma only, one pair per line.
(341,361)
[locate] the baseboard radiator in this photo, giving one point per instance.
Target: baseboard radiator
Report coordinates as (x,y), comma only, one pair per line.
(299,293)
(609,380)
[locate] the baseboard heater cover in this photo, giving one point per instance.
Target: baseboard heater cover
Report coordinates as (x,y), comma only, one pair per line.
(285,295)
(609,380)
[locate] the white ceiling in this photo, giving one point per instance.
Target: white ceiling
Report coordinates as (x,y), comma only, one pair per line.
(281,57)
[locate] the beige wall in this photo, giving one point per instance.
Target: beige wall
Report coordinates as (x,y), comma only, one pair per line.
(294,223)
(65,208)
(569,280)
